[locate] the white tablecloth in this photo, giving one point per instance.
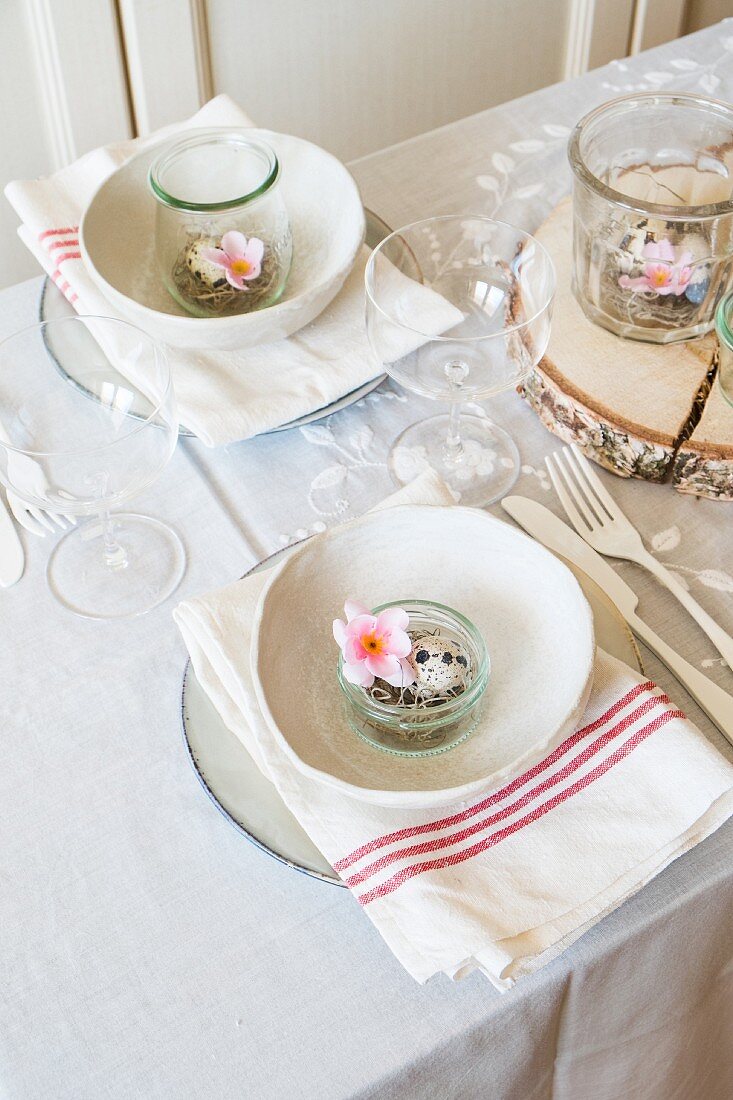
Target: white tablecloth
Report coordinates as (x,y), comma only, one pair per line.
(147,950)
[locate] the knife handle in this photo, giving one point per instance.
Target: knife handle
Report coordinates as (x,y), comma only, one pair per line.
(717,704)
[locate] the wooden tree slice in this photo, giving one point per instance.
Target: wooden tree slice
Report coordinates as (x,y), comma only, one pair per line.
(630,406)
(703,464)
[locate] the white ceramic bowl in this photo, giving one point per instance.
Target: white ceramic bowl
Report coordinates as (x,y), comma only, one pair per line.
(530,609)
(117,240)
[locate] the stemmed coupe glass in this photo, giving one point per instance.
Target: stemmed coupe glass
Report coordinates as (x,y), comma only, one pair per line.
(458,309)
(86,447)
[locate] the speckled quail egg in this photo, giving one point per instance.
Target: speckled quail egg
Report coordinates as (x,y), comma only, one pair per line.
(206,272)
(440,665)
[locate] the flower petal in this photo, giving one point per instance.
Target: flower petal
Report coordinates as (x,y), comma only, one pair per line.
(398,643)
(382,664)
(634,284)
(353,650)
(394,618)
(235,280)
(353,608)
(234,244)
(362,624)
(358,674)
(403,677)
(339,632)
(254,251)
(215,256)
(408,673)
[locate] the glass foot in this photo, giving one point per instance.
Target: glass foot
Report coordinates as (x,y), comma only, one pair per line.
(148,569)
(485,470)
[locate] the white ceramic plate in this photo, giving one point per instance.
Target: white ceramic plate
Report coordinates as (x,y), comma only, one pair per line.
(533,616)
(63,349)
(252,804)
(117,243)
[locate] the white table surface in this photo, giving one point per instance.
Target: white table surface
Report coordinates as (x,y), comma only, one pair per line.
(147,950)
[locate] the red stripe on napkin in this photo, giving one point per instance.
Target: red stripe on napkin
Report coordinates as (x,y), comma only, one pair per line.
(446,841)
(394,883)
(53,232)
(71,242)
(68,256)
(64,286)
(497,796)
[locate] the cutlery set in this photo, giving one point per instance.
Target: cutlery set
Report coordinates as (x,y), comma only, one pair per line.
(602,528)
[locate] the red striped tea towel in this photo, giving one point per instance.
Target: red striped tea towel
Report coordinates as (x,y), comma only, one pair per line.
(506,882)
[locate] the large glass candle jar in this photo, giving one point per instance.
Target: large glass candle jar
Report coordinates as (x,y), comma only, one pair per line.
(222,235)
(653,214)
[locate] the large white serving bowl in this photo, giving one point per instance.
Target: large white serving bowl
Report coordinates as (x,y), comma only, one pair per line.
(531,611)
(117,241)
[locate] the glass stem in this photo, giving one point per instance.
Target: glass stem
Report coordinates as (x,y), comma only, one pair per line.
(115,557)
(456,372)
(453,446)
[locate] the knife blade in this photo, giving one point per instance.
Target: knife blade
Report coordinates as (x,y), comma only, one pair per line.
(544,526)
(12,559)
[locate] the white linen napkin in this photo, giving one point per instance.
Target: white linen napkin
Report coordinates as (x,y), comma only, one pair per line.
(223,396)
(509,880)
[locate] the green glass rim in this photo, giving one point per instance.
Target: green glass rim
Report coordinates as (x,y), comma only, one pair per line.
(230,136)
(444,712)
(636,101)
(723,318)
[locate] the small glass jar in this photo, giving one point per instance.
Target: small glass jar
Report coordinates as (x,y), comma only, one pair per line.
(222,235)
(653,214)
(432,728)
(724,330)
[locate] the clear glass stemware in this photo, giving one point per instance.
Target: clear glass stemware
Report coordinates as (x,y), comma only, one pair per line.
(458,309)
(87,447)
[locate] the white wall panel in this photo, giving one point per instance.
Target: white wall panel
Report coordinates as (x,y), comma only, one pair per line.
(63,92)
(166,46)
(356,75)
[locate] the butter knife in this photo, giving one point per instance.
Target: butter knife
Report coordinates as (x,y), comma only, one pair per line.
(546,528)
(12,559)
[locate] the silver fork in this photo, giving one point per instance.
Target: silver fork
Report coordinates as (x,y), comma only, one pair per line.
(598,519)
(27,472)
(37,520)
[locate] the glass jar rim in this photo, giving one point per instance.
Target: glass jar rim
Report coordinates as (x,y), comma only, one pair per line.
(443,712)
(218,135)
(640,206)
(440,337)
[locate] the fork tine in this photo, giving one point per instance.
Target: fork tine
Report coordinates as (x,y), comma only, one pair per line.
(585,488)
(555,471)
(25,520)
(71,519)
(58,519)
(595,483)
(590,507)
(40,517)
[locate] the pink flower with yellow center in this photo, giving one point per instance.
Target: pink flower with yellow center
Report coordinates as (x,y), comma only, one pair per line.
(663,273)
(374,645)
(241,259)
